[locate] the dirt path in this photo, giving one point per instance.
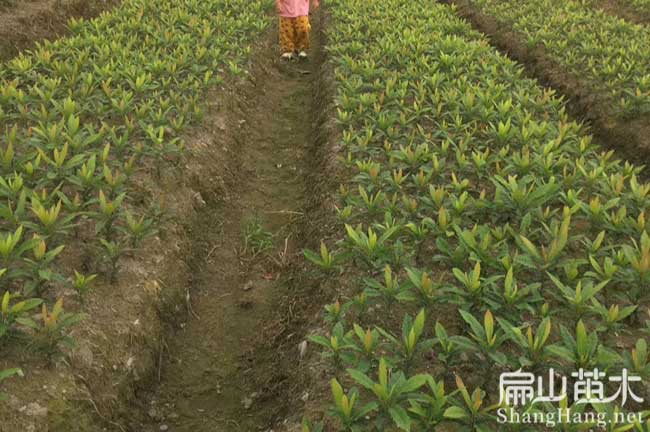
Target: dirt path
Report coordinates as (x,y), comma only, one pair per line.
(216,373)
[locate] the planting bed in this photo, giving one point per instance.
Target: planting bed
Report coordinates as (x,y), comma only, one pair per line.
(592,46)
(478,225)
(585,99)
(98,193)
(641,5)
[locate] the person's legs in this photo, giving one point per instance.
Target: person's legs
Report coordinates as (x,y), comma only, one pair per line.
(302,30)
(287,36)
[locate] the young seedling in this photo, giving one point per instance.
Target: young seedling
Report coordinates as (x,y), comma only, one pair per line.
(390,291)
(308,426)
(612,318)
(637,361)
(326,261)
(51,221)
(112,251)
(369,246)
(11,250)
(411,343)
(345,408)
(360,305)
(429,408)
(427,292)
(391,390)
(50,330)
(9,313)
(448,348)
(484,338)
(604,272)
(578,298)
(520,196)
(339,346)
(366,345)
(82,284)
(8,373)
(513,301)
(109,212)
(471,411)
(638,258)
(335,312)
(545,257)
(480,244)
(533,346)
(40,266)
(138,228)
(584,351)
(472,290)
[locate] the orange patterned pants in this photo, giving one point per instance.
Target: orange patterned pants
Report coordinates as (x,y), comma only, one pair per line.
(294,34)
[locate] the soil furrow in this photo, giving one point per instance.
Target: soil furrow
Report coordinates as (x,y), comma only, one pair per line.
(219,372)
(627,136)
(623,9)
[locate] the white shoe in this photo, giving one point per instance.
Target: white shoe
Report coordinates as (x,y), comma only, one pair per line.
(302,55)
(287,56)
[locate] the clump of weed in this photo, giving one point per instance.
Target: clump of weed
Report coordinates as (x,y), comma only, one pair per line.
(257,239)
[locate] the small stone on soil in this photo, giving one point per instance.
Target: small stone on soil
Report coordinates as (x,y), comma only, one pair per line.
(14,402)
(248,285)
(35,410)
(154,413)
(198,200)
(302,348)
(247,402)
(84,355)
(164,427)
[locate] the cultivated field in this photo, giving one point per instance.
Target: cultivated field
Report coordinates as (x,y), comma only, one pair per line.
(445,199)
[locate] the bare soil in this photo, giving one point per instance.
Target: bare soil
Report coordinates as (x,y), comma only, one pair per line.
(25,22)
(629,137)
(232,363)
(308,388)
